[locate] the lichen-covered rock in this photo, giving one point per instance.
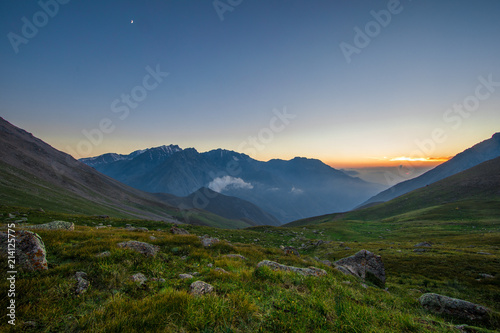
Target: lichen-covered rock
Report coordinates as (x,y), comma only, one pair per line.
(454,307)
(199,288)
(179,231)
(54,225)
(141,247)
(185,276)
(365,265)
(303,271)
(207,241)
(139,278)
(30,253)
(82,284)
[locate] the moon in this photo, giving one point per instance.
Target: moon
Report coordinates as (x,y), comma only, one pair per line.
(131,21)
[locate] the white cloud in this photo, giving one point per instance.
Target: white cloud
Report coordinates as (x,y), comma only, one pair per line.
(219,184)
(296,190)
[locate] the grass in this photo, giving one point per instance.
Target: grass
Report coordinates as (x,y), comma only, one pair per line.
(250,299)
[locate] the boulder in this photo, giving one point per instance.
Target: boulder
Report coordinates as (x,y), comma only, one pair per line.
(179,231)
(199,288)
(139,277)
(141,247)
(423,244)
(82,284)
(54,225)
(454,307)
(185,276)
(207,241)
(365,265)
(303,271)
(30,251)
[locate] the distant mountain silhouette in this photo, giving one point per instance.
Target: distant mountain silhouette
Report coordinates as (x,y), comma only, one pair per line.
(288,190)
(469,158)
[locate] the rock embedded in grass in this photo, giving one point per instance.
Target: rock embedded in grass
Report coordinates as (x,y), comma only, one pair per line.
(30,250)
(207,241)
(82,284)
(199,288)
(141,247)
(454,307)
(235,256)
(54,225)
(423,244)
(303,271)
(185,276)
(365,265)
(103,254)
(179,231)
(139,277)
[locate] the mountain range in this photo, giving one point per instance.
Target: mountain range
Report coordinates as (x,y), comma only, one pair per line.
(288,190)
(34,174)
(479,153)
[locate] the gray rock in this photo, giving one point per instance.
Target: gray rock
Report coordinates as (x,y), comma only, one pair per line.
(179,231)
(207,241)
(485,253)
(365,265)
(199,288)
(160,280)
(486,276)
(235,256)
(303,271)
(221,270)
(54,225)
(141,247)
(423,244)
(82,284)
(420,250)
(141,229)
(30,251)
(454,307)
(103,254)
(153,238)
(185,276)
(139,278)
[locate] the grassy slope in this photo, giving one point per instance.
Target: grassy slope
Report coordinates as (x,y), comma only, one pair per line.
(250,299)
(19,188)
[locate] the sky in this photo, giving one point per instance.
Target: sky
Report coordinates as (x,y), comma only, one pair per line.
(353,83)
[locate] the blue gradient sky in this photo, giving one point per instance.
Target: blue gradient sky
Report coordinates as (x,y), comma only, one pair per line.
(227,76)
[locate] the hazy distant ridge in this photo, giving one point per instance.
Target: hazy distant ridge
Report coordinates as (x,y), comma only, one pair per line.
(289,190)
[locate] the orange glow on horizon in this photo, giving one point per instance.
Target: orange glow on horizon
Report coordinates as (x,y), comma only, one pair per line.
(388,162)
